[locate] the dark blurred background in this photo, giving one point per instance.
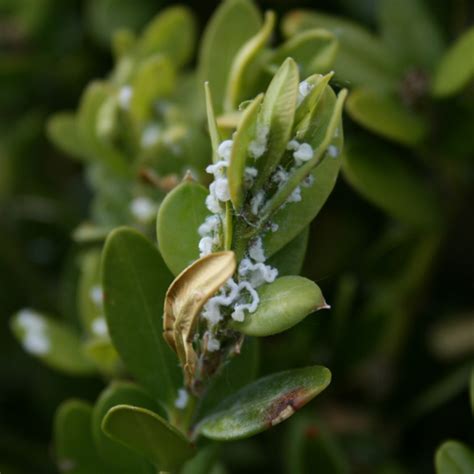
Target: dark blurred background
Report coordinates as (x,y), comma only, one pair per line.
(49,51)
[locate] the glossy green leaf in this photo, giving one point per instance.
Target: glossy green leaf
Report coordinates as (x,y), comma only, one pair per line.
(239,71)
(62,131)
(277,115)
(313,50)
(148,434)
(113,453)
(293,217)
(283,304)
(172,33)
(453,457)
(456,67)
(233,23)
(264,403)
(135,280)
(410,31)
(180,215)
(386,116)
(154,79)
(391,183)
(289,260)
(240,370)
(362,59)
(75,451)
(238,160)
(51,341)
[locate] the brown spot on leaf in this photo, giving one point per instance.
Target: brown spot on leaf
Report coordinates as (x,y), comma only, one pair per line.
(284,406)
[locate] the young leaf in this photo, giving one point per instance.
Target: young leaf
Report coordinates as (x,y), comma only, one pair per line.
(135,280)
(264,403)
(233,23)
(149,435)
(181,213)
(62,131)
(390,183)
(313,50)
(361,60)
(54,343)
(453,457)
(75,451)
(456,67)
(240,66)
(283,304)
(386,116)
(172,33)
(113,453)
(211,123)
(238,159)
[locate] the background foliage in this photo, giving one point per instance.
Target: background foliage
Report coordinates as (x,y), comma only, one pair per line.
(392,249)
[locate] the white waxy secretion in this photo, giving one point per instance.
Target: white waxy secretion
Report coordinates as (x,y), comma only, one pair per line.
(125,97)
(143,209)
(35,339)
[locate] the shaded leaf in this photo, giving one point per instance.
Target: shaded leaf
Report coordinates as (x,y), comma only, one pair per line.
(62,131)
(135,280)
(453,457)
(264,403)
(181,213)
(148,434)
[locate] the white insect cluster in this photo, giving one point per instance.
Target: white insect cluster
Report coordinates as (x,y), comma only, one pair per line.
(35,339)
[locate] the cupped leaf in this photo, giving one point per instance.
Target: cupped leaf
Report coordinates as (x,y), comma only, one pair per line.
(264,403)
(51,341)
(243,60)
(283,304)
(135,280)
(75,451)
(113,453)
(62,131)
(154,79)
(277,116)
(409,30)
(362,59)
(233,23)
(453,457)
(180,215)
(289,260)
(238,159)
(185,298)
(149,435)
(313,50)
(456,67)
(172,33)
(392,184)
(386,116)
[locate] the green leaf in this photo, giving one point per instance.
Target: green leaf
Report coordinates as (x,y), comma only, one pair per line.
(456,67)
(103,354)
(211,123)
(289,260)
(173,33)
(391,183)
(386,116)
(243,136)
(154,79)
(240,370)
(135,280)
(123,41)
(264,403)
(313,50)
(203,462)
(62,131)
(453,457)
(233,23)
(180,215)
(361,60)
(283,304)
(471,390)
(293,217)
(148,434)
(75,451)
(242,62)
(409,30)
(51,341)
(277,114)
(113,453)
